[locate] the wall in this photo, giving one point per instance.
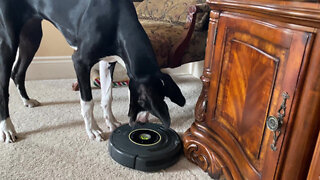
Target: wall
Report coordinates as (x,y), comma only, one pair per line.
(53,59)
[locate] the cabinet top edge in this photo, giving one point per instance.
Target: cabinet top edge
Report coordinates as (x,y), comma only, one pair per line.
(306,11)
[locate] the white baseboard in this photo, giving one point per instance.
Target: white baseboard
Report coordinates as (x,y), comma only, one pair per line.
(61,67)
(51,67)
(194,69)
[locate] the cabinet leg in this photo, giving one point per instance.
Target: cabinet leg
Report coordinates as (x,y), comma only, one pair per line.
(198,153)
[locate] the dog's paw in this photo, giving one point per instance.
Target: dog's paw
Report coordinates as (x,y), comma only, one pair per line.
(112,125)
(143,117)
(31,103)
(95,134)
(111,121)
(7,131)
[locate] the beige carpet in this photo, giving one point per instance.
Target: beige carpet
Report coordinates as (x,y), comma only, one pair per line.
(53,143)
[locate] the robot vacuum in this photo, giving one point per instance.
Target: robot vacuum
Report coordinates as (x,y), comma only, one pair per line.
(145,147)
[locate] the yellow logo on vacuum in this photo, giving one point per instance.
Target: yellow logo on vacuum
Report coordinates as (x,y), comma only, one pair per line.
(145,136)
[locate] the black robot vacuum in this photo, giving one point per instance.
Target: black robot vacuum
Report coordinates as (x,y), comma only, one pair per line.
(145,147)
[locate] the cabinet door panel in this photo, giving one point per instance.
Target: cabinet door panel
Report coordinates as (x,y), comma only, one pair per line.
(253,65)
(246,84)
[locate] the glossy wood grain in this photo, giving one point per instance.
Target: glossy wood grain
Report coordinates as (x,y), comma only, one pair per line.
(305,123)
(255,53)
(299,13)
(250,83)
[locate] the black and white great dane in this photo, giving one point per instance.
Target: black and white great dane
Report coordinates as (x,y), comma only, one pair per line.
(99,30)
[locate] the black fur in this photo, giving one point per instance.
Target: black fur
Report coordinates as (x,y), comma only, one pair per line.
(148,95)
(98,28)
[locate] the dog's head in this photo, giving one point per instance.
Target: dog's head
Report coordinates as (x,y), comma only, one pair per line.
(148,95)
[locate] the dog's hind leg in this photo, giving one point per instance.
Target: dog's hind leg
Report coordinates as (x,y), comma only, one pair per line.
(83,76)
(106,93)
(30,38)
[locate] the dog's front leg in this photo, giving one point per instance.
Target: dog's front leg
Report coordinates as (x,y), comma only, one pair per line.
(93,130)
(106,94)
(7,131)
(83,76)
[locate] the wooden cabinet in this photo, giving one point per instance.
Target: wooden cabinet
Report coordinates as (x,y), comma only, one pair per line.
(262,71)
(314,171)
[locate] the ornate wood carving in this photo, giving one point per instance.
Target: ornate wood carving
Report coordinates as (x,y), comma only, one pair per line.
(201,105)
(200,154)
(194,150)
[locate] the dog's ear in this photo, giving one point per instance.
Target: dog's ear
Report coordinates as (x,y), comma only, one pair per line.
(134,108)
(171,90)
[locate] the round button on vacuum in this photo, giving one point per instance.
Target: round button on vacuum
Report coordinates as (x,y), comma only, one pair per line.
(144,137)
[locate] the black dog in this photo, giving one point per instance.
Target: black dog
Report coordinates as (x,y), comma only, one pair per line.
(97,29)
